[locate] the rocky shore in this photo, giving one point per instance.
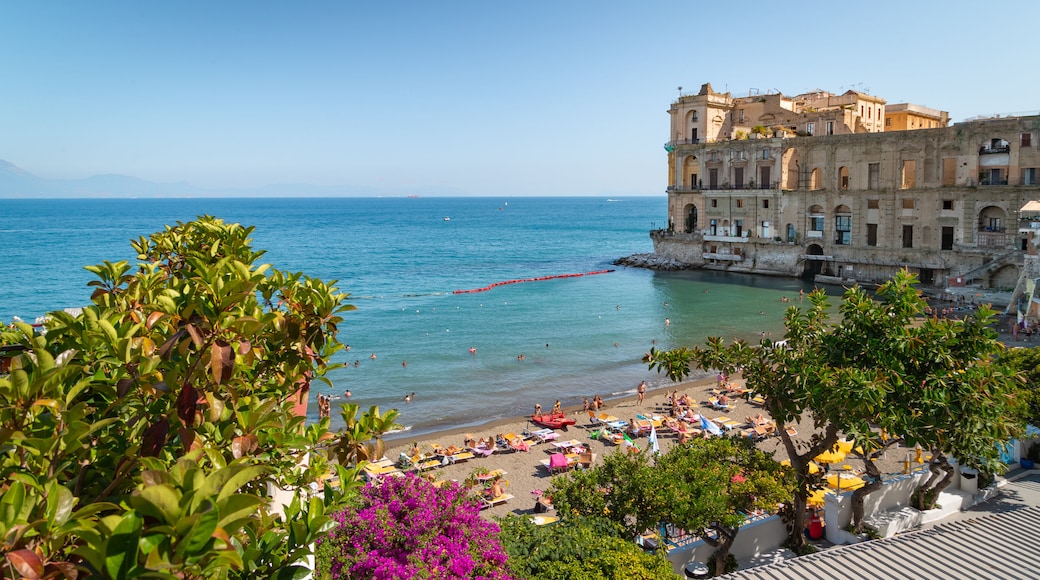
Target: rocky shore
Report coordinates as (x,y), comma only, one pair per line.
(652,262)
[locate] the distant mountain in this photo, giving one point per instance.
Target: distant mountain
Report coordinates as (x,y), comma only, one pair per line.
(18,183)
(15,182)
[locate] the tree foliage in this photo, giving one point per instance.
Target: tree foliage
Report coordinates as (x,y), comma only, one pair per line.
(1027,361)
(578,547)
(706,487)
(933,382)
(142,436)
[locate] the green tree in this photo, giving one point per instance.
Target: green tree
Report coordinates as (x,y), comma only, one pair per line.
(142,436)
(1027,361)
(933,382)
(577,547)
(705,487)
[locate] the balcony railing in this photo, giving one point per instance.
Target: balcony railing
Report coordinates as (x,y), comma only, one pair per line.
(991,239)
(984,150)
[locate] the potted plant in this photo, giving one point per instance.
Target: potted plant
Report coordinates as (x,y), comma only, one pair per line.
(1032,455)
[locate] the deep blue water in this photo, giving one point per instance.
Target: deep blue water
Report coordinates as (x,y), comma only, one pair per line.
(400,260)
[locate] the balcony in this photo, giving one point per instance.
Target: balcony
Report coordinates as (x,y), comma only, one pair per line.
(743,186)
(725,257)
(988,238)
(726,238)
(991,150)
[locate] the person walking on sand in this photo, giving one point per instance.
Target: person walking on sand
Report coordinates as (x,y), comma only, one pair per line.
(642,392)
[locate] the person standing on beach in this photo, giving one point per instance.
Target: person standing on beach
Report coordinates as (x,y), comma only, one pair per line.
(642,392)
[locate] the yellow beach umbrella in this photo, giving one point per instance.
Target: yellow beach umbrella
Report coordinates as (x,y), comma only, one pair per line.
(844,483)
(831,456)
(816,497)
(813,468)
(843,446)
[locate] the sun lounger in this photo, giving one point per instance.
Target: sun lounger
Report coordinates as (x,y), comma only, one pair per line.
(378,469)
(558,462)
(491,502)
(516,443)
(544,435)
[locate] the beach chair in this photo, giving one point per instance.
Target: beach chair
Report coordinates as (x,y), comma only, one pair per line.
(490,502)
(516,443)
(558,463)
(593,420)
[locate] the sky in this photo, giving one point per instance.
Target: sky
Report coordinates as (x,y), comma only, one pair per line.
(463,97)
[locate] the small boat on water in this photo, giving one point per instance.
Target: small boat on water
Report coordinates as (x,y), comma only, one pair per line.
(553,420)
(447,219)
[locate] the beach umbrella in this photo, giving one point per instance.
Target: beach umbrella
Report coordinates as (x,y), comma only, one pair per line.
(817,497)
(813,468)
(839,482)
(832,456)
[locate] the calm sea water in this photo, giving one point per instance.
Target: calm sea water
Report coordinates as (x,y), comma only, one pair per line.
(401,259)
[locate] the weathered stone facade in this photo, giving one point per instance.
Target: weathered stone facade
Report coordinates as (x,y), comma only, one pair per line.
(848,202)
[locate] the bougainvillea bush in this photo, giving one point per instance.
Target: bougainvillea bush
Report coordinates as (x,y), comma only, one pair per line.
(404,527)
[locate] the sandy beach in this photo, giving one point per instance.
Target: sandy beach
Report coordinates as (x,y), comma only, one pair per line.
(526,476)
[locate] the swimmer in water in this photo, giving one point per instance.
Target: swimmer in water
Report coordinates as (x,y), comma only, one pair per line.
(472,350)
(407,398)
(404,363)
(373,357)
(347,393)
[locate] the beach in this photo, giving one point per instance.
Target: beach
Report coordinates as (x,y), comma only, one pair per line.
(528,478)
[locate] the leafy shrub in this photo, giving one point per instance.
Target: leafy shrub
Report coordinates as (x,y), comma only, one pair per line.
(576,547)
(404,527)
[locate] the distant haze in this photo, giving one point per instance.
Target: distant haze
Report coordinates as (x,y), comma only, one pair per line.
(16,183)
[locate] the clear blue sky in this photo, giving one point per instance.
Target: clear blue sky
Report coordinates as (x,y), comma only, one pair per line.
(477,98)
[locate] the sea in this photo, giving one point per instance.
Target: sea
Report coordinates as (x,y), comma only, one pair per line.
(468,357)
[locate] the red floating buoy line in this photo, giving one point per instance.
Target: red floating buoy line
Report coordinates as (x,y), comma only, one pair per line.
(539,279)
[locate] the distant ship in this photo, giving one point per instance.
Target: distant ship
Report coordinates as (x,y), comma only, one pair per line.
(447,219)
(413,196)
(608,199)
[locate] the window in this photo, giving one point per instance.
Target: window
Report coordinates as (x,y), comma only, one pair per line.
(765,204)
(873,175)
(740,203)
(810,128)
(888,122)
(1027,139)
(816,223)
(830,127)
(908,203)
(872,204)
(714,203)
(872,235)
(694,116)
(1029,176)
(740,116)
(843,230)
(765,154)
(738,226)
(713,156)
(713,228)
(947,237)
(908,236)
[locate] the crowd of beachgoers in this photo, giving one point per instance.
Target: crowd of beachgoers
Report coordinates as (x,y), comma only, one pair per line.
(511,462)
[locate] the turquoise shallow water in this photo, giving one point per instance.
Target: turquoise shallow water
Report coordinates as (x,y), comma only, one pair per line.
(401,260)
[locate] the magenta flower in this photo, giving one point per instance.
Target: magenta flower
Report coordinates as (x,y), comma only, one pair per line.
(404,527)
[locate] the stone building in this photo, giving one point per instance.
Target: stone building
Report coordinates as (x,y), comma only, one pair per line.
(813,185)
